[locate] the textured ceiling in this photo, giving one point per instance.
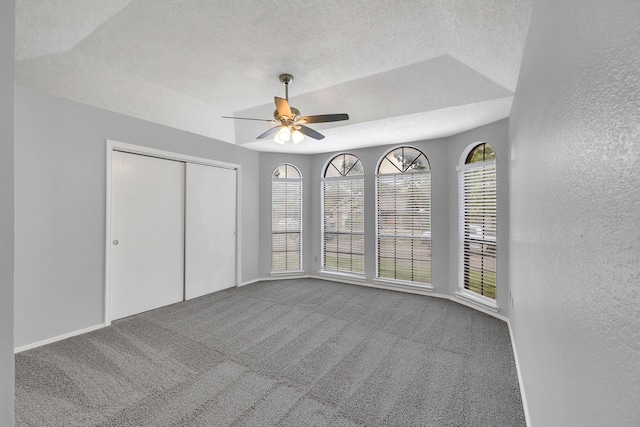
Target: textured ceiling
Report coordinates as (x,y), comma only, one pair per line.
(404,71)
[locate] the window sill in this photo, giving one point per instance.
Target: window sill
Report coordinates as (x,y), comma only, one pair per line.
(478,300)
(400,284)
(287,273)
(342,275)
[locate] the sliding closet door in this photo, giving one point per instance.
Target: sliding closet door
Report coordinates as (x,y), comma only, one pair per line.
(147,233)
(210,250)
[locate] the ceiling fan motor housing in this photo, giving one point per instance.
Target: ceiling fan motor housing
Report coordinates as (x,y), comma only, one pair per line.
(295,111)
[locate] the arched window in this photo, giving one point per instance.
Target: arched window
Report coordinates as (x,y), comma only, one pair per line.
(343,215)
(403,199)
(477,224)
(481,153)
(286,219)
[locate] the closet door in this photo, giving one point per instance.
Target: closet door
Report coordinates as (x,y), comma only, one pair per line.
(210,250)
(147,233)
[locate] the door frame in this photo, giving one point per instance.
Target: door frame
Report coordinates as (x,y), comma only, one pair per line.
(112,146)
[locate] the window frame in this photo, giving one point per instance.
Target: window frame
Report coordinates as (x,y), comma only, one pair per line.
(407,172)
(490,240)
(286,180)
(342,177)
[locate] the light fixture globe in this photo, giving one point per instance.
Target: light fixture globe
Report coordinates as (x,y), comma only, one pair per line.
(284,134)
(297,136)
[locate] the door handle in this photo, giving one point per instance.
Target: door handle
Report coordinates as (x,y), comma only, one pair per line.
(115,243)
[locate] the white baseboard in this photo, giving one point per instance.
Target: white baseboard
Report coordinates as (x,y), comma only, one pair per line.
(476,306)
(388,287)
(416,291)
(522,394)
(58,338)
(248,282)
(283,277)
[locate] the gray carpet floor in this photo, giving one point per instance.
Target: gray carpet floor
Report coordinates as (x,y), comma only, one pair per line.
(287,353)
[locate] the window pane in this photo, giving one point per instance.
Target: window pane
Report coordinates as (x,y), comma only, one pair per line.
(292,172)
(404,159)
(352,165)
(388,165)
(404,217)
(478,227)
(404,205)
(332,171)
(481,153)
(286,218)
(343,216)
(489,154)
(344,165)
(280,172)
(286,171)
(345,253)
(404,259)
(413,160)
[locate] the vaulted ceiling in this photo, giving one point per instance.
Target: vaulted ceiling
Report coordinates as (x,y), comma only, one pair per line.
(404,71)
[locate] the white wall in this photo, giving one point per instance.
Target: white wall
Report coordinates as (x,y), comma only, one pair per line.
(60,180)
(575,213)
(7,26)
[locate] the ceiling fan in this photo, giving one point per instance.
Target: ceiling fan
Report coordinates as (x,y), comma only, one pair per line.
(291,124)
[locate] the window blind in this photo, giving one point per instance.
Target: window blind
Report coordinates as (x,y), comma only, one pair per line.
(343,225)
(404,226)
(478,228)
(286,224)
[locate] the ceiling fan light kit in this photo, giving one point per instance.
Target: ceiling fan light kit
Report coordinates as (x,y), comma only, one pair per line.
(291,123)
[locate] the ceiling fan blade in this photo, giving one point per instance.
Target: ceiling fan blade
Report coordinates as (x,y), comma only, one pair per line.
(324,118)
(247,118)
(309,132)
(282,105)
(268,133)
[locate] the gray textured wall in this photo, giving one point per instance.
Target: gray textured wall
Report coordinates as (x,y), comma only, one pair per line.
(575,213)
(60,180)
(7,25)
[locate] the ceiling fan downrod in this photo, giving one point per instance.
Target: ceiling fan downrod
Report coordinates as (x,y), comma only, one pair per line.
(286,79)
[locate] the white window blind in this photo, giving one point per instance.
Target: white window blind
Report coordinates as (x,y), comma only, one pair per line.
(404,225)
(343,224)
(286,219)
(477,228)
